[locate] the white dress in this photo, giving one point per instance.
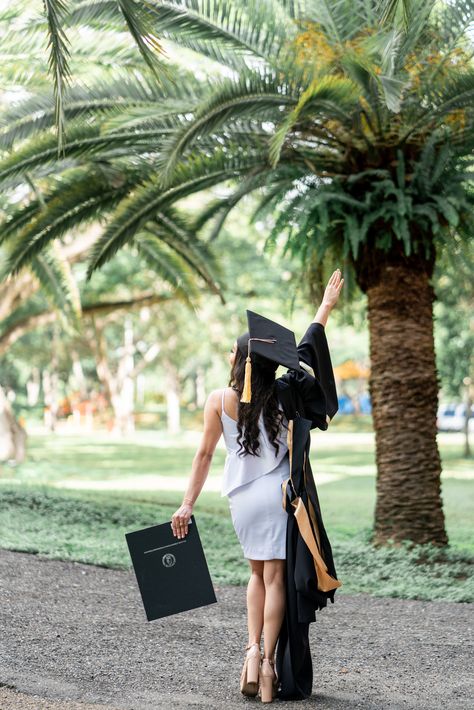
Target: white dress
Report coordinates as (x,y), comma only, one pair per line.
(253,487)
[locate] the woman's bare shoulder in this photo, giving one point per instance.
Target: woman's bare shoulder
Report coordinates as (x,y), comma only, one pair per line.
(215,397)
(231,401)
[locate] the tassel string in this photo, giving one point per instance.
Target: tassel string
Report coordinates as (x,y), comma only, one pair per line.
(247,390)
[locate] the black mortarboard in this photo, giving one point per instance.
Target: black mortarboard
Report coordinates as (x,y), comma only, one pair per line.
(269,340)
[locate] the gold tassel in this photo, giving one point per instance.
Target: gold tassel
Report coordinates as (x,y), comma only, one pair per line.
(247,391)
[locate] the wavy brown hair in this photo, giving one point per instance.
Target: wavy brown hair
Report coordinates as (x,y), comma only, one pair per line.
(264,399)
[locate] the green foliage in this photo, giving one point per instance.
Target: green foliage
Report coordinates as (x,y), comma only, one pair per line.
(453,312)
(406,571)
(37,515)
(225,30)
(351,122)
(58,60)
(62,526)
(72,526)
(142,30)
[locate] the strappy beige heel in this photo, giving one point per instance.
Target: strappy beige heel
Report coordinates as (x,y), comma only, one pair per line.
(268,680)
(250,671)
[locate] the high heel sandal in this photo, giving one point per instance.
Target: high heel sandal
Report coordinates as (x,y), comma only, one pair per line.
(268,680)
(250,670)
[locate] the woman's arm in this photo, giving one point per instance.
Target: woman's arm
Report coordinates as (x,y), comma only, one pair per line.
(201,464)
(331,294)
(307,347)
(318,389)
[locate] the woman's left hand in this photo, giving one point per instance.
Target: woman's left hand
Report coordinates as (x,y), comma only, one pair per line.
(179,520)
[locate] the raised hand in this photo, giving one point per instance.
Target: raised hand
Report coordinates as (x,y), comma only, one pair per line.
(333,289)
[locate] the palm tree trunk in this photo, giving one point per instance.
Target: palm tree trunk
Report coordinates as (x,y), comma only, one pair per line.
(404,392)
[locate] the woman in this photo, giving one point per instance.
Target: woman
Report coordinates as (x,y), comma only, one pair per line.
(257,464)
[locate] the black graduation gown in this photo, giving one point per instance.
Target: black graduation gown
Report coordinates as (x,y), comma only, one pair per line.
(309,401)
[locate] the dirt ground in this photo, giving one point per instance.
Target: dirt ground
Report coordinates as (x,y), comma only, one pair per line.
(75,637)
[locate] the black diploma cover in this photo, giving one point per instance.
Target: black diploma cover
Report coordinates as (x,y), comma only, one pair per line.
(172,574)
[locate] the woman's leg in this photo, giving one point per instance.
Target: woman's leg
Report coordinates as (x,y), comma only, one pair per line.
(274,610)
(255,601)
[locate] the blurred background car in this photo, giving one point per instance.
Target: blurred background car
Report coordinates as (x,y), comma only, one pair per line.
(451,417)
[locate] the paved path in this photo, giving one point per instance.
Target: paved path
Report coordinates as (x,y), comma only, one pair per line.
(74,636)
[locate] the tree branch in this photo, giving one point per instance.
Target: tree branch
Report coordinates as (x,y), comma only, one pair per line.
(25,325)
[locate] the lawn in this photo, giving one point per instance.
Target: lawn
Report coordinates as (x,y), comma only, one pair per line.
(87,523)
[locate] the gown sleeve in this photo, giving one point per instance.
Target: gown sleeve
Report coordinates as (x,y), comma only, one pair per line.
(315,384)
(314,351)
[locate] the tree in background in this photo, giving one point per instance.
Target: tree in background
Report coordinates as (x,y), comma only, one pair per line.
(189,339)
(454,315)
(135,281)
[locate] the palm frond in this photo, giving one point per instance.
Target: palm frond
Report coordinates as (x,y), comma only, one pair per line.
(221,209)
(57,282)
(110,97)
(137,19)
(295,9)
(271,199)
(330,97)
(452,23)
(457,93)
(170,229)
(84,139)
(143,32)
(167,264)
(249,28)
(252,95)
(340,20)
(411,18)
(58,61)
(396,11)
(140,207)
(79,197)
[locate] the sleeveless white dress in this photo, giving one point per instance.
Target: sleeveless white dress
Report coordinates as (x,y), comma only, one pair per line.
(253,487)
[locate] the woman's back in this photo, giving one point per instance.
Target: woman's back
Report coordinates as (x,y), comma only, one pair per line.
(243,468)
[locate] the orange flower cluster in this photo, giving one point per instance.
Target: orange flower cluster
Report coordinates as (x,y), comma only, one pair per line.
(311,47)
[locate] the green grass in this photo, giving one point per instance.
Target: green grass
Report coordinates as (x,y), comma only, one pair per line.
(97,458)
(89,526)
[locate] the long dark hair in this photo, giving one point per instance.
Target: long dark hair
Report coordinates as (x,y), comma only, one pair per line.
(264,399)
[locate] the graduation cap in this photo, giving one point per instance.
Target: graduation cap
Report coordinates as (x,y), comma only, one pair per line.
(271,341)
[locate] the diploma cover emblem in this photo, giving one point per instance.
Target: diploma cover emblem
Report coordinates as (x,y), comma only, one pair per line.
(169,560)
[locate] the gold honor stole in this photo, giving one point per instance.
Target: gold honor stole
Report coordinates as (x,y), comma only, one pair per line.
(325,582)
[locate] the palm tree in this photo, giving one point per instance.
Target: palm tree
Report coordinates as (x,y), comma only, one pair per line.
(128,13)
(354,123)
